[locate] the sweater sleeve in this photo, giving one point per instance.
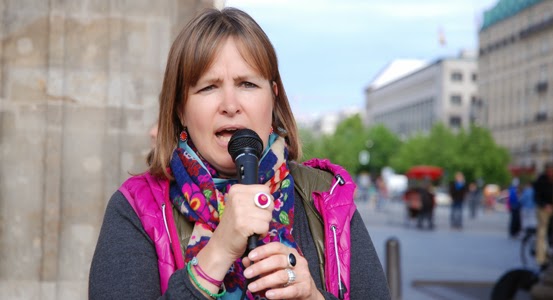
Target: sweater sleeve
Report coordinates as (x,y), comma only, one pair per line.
(367,279)
(124,265)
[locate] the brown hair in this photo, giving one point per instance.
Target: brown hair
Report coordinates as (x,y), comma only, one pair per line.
(191,55)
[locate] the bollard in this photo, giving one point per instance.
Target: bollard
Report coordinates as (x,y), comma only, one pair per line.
(393,268)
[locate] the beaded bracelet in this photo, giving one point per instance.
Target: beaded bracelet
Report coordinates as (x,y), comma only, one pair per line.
(203,289)
(203,274)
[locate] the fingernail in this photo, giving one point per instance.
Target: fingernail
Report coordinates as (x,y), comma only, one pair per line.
(248,273)
(252,287)
(269,294)
(252,255)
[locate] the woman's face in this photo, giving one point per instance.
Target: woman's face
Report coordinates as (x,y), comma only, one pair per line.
(229,96)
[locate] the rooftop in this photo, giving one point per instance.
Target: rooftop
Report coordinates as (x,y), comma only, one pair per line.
(396,69)
(505,9)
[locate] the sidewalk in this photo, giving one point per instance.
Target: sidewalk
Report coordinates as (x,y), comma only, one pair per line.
(445,263)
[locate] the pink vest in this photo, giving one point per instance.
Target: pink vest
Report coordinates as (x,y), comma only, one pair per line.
(149,197)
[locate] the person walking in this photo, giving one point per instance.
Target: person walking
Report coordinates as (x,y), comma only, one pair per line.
(457,191)
(527,207)
(514,208)
(474,198)
(426,213)
(543,196)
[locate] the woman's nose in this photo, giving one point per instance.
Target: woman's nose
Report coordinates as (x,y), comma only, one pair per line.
(230,104)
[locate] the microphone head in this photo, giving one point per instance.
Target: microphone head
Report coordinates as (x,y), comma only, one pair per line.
(245,141)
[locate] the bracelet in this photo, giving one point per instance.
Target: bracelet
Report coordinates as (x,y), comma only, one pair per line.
(202,274)
(203,289)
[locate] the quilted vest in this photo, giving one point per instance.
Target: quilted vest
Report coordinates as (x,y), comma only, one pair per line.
(327,194)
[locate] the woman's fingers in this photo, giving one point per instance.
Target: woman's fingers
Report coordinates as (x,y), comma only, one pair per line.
(241,217)
(270,249)
(281,276)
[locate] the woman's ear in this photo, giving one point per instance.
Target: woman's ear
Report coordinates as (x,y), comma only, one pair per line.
(275,88)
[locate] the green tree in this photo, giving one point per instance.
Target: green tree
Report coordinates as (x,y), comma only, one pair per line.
(473,152)
(483,158)
(412,152)
(382,144)
(348,140)
(311,144)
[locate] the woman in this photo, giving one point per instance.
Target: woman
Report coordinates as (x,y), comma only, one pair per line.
(180,230)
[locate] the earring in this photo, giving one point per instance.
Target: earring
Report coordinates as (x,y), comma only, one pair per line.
(272,131)
(183,135)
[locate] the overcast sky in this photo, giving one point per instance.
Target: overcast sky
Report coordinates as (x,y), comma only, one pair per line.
(329,51)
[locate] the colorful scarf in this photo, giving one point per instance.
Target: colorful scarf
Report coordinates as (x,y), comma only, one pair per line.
(198,193)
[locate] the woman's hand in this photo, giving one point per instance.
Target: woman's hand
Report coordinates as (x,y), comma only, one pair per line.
(270,262)
(242,219)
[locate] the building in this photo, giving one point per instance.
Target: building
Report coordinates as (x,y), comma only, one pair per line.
(516,67)
(409,96)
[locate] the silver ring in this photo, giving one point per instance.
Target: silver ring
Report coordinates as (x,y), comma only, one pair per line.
(291,260)
(262,200)
(291,277)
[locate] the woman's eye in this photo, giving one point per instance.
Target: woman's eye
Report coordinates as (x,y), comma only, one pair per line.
(207,88)
(248,85)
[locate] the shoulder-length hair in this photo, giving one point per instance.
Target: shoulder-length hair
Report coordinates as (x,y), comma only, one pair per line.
(192,53)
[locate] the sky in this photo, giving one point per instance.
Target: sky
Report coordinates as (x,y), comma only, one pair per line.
(329,51)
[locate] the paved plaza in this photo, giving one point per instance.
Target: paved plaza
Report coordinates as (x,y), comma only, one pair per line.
(445,263)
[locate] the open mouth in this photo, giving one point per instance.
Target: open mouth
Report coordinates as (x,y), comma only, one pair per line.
(225,134)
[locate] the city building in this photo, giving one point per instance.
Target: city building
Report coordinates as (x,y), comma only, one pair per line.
(409,96)
(515,69)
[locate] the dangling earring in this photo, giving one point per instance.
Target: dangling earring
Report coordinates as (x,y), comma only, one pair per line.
(271,131)
(183,135)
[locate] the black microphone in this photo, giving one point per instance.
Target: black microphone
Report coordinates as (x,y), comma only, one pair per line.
(245,148)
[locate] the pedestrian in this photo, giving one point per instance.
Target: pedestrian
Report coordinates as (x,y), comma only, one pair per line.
(474,198)
(527,207)
(180,230)
(457,191)
(543,196)
(381,193)
(514,208)
(426,213)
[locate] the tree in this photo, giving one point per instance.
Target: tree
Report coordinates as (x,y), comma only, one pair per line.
(342,147)
(483,158)
(348,140)
(474,153)
(311,145)
(383,144)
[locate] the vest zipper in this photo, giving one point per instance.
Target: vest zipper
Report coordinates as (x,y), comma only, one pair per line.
(340,287)
(165,222)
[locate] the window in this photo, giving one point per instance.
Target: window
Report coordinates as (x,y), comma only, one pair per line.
(456,76)
(455,122)
(456,100)
(474,77)
(475,101)
(543,72)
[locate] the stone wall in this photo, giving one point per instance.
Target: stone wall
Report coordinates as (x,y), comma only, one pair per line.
(79,82)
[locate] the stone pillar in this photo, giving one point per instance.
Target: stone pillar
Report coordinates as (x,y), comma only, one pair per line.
(79,82)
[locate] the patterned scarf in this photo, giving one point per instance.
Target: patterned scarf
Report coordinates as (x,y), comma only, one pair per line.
(198,193)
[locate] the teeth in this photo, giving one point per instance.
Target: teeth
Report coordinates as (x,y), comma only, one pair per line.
(225,138)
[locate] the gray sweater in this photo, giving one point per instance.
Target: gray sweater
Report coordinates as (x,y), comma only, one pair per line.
(124,265)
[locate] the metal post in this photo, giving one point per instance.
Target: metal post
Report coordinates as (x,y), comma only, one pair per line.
(393,267)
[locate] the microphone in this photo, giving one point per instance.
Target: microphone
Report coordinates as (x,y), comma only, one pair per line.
(245,148)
